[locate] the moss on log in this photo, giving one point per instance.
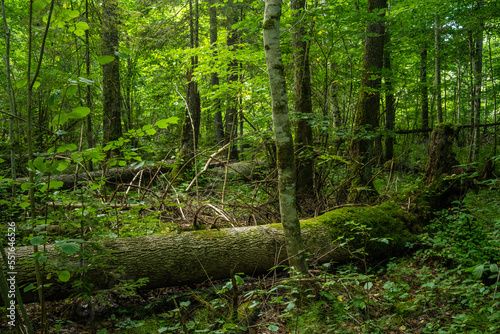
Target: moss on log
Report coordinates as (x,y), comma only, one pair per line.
(199,256)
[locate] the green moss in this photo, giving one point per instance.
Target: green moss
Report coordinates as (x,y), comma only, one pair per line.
(209,234)
(268,24)
(387,220)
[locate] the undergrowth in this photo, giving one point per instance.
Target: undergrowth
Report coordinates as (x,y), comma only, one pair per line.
(448,285)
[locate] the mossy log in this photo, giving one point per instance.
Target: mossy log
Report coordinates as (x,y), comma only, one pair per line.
(200,256)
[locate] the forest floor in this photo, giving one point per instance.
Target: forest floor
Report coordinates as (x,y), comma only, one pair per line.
(447,282)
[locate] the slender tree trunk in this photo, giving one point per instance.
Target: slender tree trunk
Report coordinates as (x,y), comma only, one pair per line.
(424,94)
(231,125)
(88,97)
(366,120)
(437,70)
(390,112)
(477,69)
(191,125)
(12,102)
(494,100)
(303,104)
(214,76)
(112,102)
(283,136)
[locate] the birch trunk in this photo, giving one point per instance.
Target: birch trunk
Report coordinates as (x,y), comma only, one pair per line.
(283,136)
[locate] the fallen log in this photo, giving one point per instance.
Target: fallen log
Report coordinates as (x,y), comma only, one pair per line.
(200,256)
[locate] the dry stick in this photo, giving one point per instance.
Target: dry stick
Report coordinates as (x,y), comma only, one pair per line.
(212,156)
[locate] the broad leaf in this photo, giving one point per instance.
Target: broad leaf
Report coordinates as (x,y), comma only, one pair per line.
(64,275)
(70,248)
(105,60)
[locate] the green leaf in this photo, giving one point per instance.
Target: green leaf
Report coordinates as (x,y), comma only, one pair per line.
(494,268)
(79,112)
(368,285)
(62,165)
(122,55)
(25,186)
(54,97)
(478,271)
(29,287)
(66,147)
(39,164)
(42,259)
(73,13)
(71,90)
(55,184)
(105,60)
(2,160)
(38,240)
(164,123)
(79,32)
(70,248)
(273,328)
(239,280)
(36,84)
(150,132)
(39,5)
(64,275)
(82,26)
(21,83)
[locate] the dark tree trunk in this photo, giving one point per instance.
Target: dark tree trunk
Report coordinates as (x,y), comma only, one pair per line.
(390,112)
(477,69)
(303,105)
(88,97)
(437,70)
(231,119)
(192,117)
(424,95)
(214,76)
(366,119)
(112,126)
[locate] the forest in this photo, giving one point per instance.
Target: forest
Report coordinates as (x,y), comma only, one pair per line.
(186,166)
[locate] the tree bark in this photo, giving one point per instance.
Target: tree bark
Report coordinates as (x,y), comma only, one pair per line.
(192,117)
(366,120)
(390,112)
(112,102)
(424,95)
(477,69)
(437,70)
(199,256)
(231,119)
(302,104)
(214,76)
(283,136)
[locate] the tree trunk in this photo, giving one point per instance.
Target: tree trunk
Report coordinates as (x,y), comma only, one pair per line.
(191,125)
(283,136)
(437,70)
(214,76)
(390,112)
(303,104)
(12,102)
(231,119)
(366,120)
(111,104)
(199,256)
(88,97)
(477,69)
(424,95)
